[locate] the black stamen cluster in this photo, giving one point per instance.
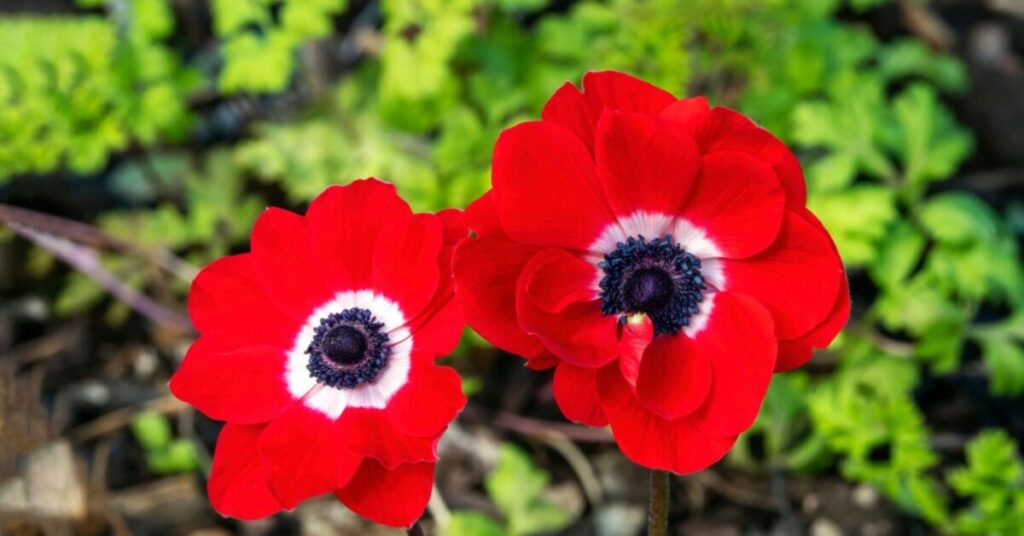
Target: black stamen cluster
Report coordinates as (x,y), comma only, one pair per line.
(348,349)
(656,277)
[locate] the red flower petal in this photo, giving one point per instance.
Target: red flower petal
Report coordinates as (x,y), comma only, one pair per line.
(796,278)
(605,90)
(302,456)
(685,111)
(738,201)
(226,300)
(675,375)
(454,224)
(543,361)
(236,486)
(371,433)
(394,497)
(637,334)
(792,355)
(568,108)
(644,164)
(486,271)
(575,390)
(238,385)
(405,262)
(822,335)
(722,129)
(282,260)
(618,91)
(740,343)
(439,332)
(579,333)
(545,187)
(555,279)
(649,440)
(345,223)
(482,216)
(797,352)
(429,400)
(438,328)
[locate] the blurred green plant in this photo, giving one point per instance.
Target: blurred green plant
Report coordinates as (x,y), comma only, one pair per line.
(258,49)
(875,136)
(219,215)
(516,486)
(164,454)
(76,89)
(994,480)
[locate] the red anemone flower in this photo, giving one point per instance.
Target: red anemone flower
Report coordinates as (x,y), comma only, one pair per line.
(659,253)
(318,350)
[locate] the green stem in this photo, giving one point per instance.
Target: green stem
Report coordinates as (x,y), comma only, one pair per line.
(657,519)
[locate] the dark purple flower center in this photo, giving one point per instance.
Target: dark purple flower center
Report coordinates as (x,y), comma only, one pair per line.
(348,349)
(657,278)
(344,345)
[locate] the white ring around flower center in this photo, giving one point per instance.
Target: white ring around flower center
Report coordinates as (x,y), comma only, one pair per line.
(376,394)
(693,239)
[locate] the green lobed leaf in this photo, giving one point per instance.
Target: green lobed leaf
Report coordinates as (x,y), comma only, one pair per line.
(958,218)
(931,144)
(898,255)
(857,218)
(994,481)
(1005,360)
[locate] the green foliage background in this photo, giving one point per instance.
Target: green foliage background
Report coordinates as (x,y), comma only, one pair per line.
(114,90)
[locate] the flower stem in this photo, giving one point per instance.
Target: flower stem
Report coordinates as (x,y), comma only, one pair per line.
(657,518)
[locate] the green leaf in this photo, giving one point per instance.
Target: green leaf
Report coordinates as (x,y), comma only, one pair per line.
(783,425)
(230,16)
(515,482)
(941,344)
(522,5)
(917,306)
(929,141)
(898,255)
(152,431)
(911,58)
(958,218)
(983,270)
(868,417)
(132,178)
(310,18)
(851,124)
(151,19)
(472,524)
(831,173)
(257,63)
(515,486)
(865,5)
(1005,360)
(542,517)
(994,481)
(179,457)
(77,89)
(471,386)
(857,218)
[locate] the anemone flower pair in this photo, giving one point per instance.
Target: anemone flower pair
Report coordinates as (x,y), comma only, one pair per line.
(658,253)
(318,350)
